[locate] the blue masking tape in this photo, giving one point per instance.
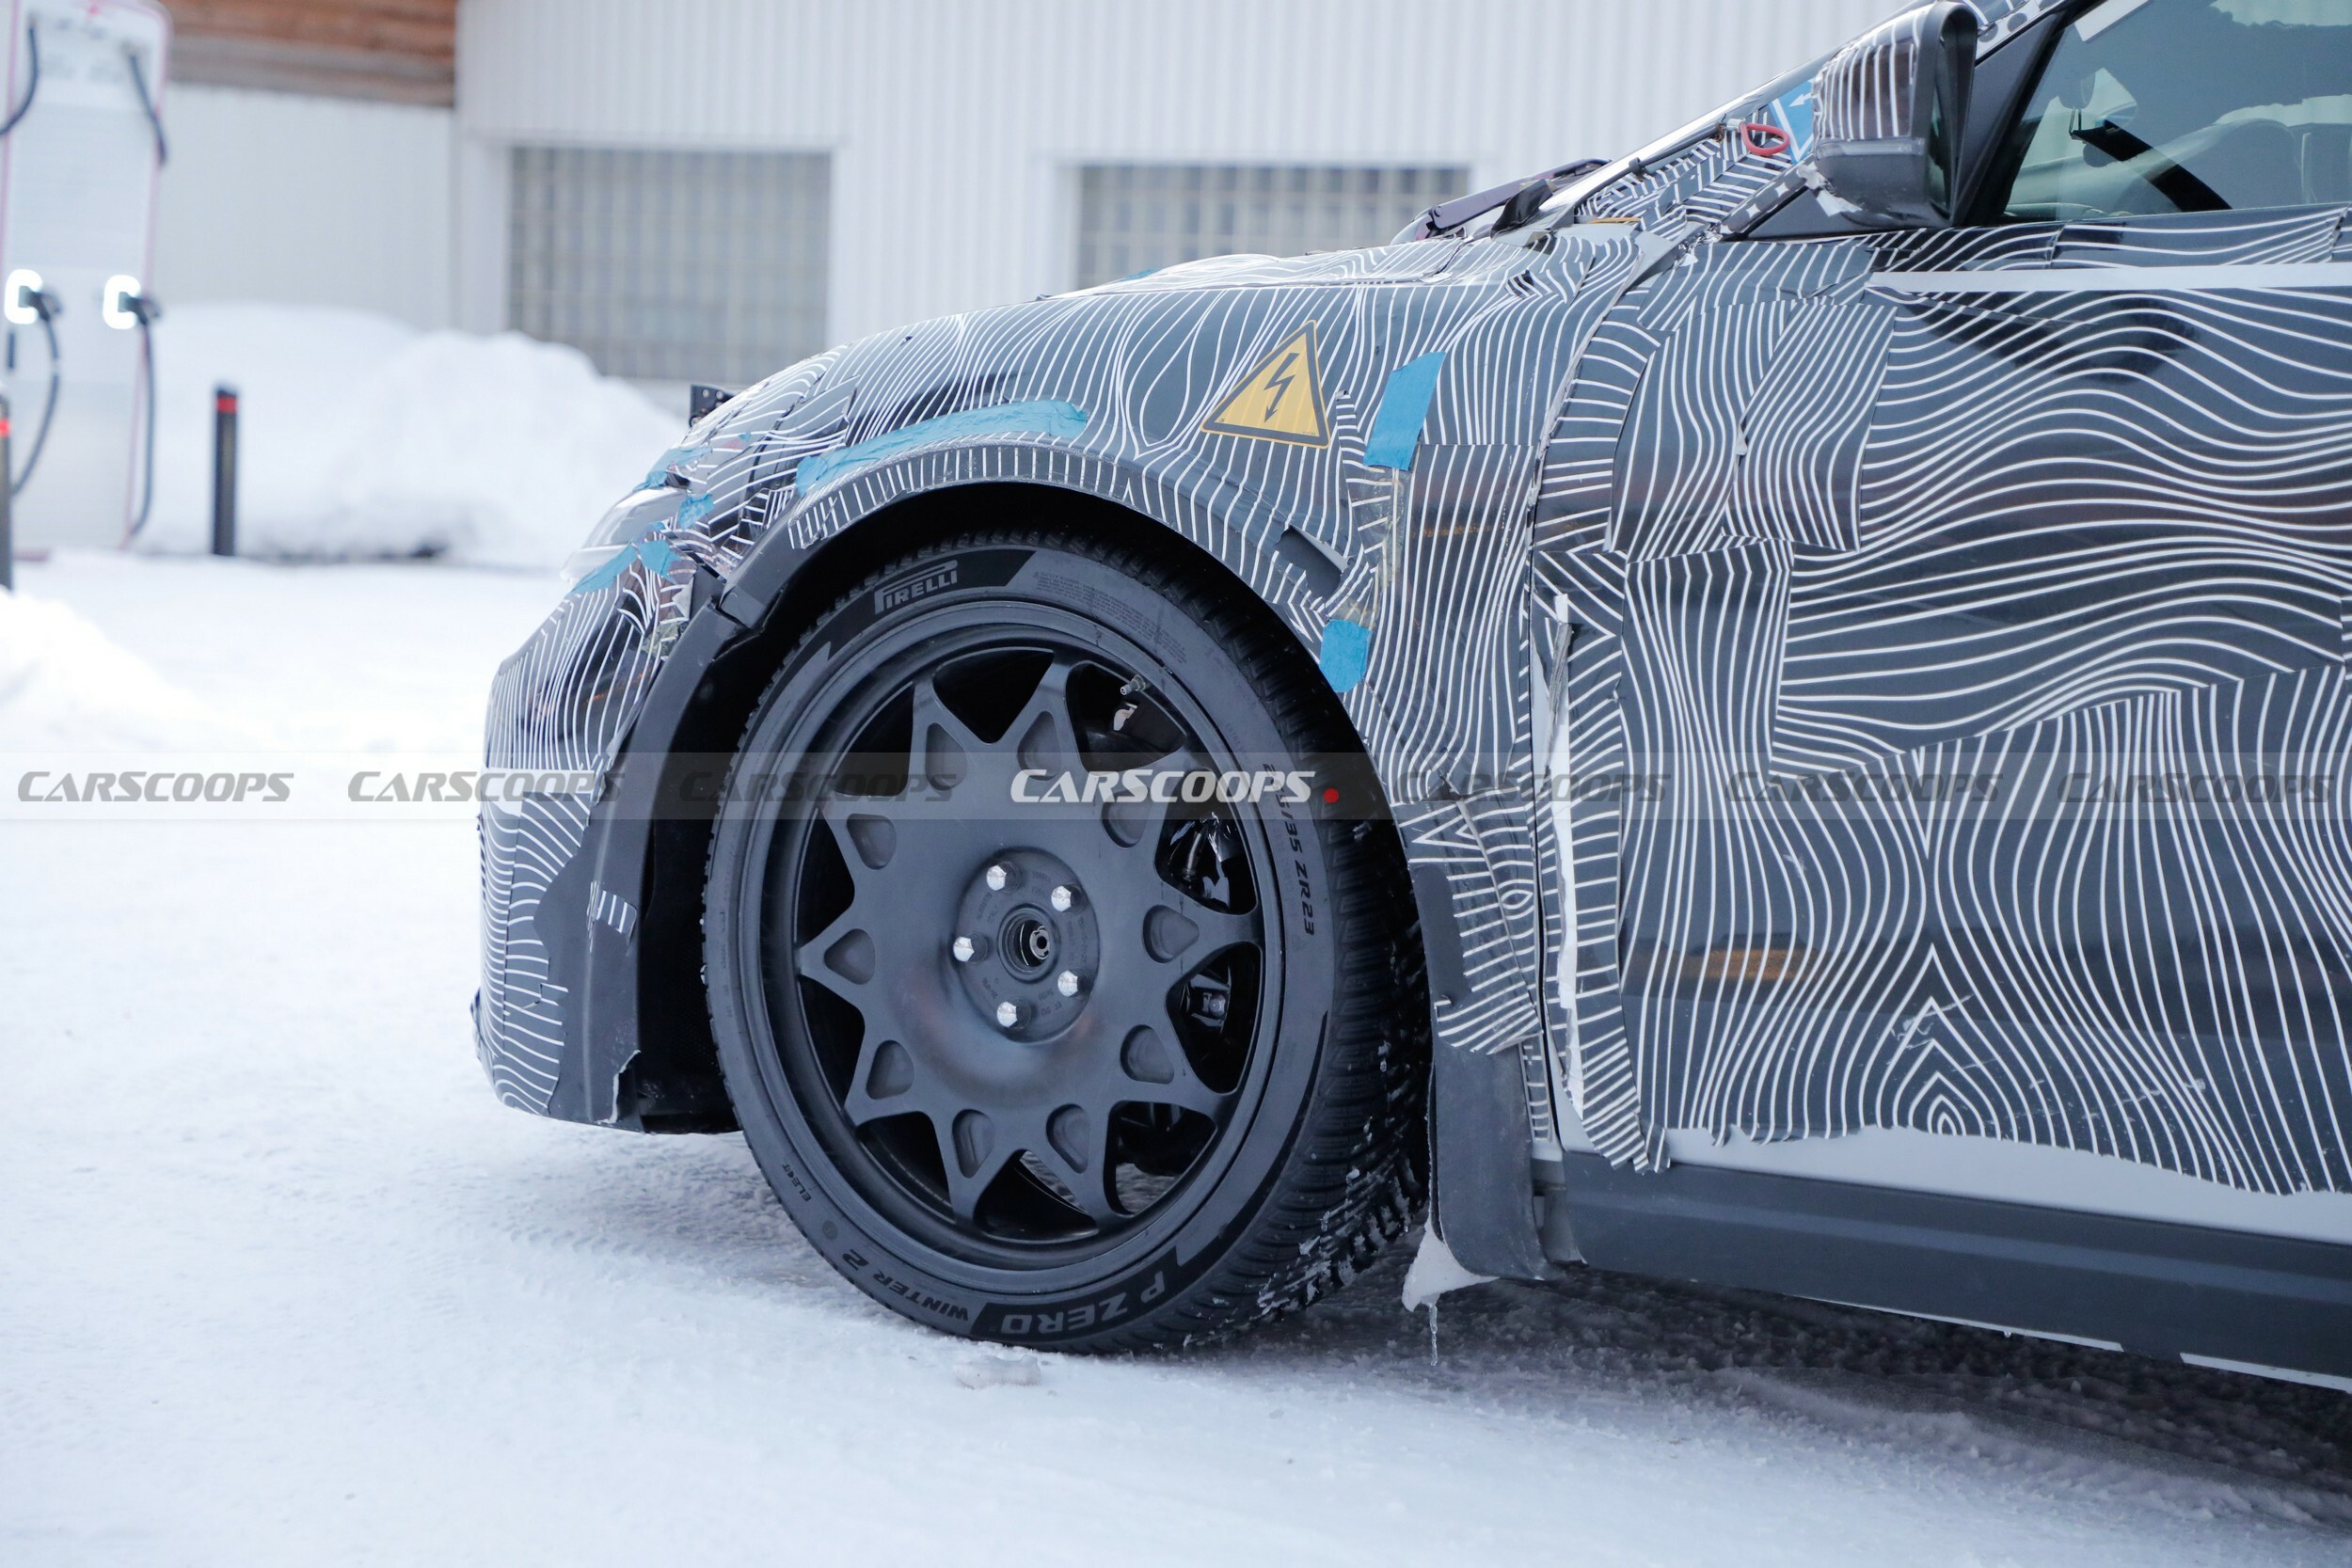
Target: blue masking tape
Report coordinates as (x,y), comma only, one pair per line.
(1043,416)
(655,553)
(658,556)
(1403,407)
(658,475)
(606,574)
(1796,113)
(1347,649)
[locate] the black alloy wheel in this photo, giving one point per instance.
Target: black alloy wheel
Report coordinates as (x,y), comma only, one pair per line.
(1060,978)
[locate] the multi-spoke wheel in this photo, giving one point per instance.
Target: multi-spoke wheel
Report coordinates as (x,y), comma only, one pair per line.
(1058,976)
(1034,1015)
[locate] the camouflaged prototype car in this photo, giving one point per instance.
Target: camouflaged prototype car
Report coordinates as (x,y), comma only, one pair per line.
(1771,711)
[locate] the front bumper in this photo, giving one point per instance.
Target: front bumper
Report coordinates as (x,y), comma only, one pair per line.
(560,707)
(564,870)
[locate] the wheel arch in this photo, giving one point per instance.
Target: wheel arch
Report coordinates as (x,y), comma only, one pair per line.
(650,1061)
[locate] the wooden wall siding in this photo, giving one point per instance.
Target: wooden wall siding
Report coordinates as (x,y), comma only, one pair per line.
(399,50)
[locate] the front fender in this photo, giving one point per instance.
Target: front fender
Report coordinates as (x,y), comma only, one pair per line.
(637,1055)
(1393,545)
(644,1059)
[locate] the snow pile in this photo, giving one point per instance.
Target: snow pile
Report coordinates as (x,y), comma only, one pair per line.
(361,436)
(65,685)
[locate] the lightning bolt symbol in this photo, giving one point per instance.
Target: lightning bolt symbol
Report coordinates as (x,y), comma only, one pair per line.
(1280,383)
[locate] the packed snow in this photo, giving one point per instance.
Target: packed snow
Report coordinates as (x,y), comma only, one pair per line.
(284,1285)
(65,685)
(361,437)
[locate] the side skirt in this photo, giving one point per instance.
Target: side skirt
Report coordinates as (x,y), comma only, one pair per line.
(2161,1289)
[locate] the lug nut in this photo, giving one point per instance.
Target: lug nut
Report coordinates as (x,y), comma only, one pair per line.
(1061,899)
(1008,1014)
(1066,983)
(997,879)
(961,947)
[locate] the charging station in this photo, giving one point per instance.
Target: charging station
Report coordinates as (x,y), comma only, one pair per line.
(79,162)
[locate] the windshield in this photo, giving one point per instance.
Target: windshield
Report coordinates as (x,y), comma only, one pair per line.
(2188,105)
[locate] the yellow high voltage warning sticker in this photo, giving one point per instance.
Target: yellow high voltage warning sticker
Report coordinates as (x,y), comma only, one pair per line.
(1282,399)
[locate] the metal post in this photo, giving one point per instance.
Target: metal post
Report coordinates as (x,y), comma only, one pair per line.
(8,523)
(224,470)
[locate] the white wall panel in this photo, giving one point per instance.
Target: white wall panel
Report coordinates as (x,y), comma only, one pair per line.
(953,123)
(309,201)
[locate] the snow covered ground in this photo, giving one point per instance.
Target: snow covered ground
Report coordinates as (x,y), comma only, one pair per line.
(361,436)
(280,1283)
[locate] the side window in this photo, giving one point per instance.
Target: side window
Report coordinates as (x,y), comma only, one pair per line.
(2150,106)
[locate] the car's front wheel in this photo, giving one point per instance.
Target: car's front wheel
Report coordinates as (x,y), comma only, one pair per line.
(1060,965)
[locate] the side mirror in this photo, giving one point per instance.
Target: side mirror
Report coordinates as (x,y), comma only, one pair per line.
(1889,113)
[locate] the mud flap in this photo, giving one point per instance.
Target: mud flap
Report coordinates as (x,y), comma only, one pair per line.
(1482,1194)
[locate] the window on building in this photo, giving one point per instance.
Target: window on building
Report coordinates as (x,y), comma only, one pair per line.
(671,266)
(1135,217)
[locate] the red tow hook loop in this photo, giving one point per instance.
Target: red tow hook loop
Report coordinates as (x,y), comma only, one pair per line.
(1763,140)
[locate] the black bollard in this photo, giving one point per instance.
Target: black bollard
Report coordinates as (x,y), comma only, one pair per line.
(224,470)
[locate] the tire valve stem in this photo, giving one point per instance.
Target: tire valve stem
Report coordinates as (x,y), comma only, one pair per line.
(961,947)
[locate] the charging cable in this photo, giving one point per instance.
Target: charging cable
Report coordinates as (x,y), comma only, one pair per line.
(32,80)
(147,101)
(27,302)
(149,313)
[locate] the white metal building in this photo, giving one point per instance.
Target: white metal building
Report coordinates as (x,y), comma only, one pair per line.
(703,189)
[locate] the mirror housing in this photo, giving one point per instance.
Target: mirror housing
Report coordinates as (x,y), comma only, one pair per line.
(1889,111)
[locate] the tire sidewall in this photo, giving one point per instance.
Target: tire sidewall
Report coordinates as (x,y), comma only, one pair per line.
(1100,1299)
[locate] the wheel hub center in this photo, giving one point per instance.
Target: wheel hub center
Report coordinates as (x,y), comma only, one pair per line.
(1027,943)
(1023,945)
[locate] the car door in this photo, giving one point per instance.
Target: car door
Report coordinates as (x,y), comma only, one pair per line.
(1967,626)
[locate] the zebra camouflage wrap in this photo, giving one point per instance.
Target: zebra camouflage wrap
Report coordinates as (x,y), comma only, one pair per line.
(1883,681)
